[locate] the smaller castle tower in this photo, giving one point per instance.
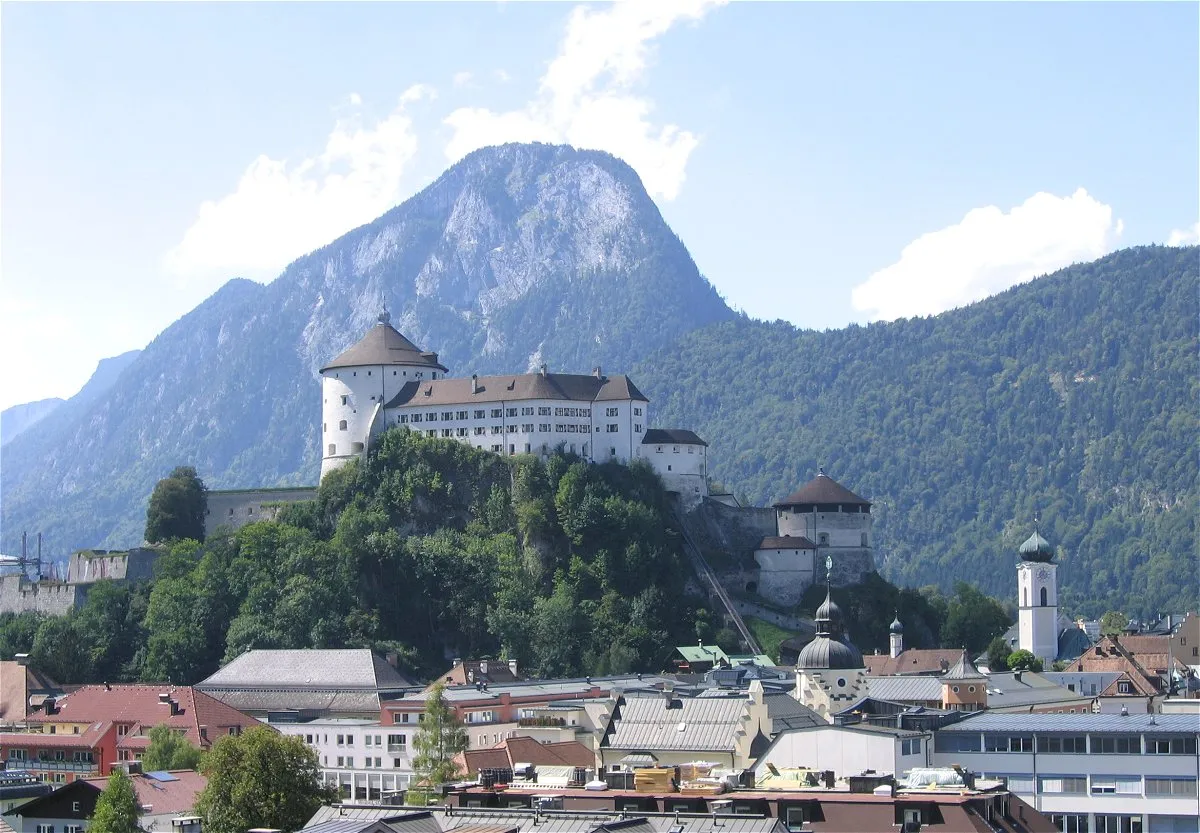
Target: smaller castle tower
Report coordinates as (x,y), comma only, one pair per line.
(1037,588)
(896,637)
(964,688)
(358,383)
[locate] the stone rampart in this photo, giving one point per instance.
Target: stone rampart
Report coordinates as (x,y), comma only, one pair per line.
(234,508)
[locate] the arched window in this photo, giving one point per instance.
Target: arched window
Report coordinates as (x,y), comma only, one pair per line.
(1025,597)
(1044,595)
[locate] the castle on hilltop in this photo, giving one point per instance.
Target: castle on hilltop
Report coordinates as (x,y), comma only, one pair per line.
(385,381)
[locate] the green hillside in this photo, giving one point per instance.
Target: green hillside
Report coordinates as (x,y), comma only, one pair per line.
(1073,396)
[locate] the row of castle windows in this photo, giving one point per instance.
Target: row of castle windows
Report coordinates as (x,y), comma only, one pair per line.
(357,448)
(417,374)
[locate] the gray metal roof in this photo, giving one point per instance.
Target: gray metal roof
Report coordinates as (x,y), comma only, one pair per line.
(252,700)
(363,815)
(539,688)
(1005,691)
(906,689)
(786,711)
(1109,723)
(349,819)
(310,669)
(699,723)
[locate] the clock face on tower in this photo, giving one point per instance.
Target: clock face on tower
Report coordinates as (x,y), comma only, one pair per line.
(1043,574)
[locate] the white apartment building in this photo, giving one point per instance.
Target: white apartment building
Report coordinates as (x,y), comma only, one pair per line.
(1089,773)
(364,759)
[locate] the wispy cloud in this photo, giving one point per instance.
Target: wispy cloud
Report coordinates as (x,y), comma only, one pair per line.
(1184,236)
(461,79)
(987,252)
(587,98)
(281,209)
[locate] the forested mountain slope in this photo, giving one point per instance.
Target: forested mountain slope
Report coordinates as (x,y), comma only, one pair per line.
(517,255)
(1073,396)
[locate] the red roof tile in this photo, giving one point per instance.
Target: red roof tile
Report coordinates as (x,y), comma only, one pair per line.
(170,796)
(139,705)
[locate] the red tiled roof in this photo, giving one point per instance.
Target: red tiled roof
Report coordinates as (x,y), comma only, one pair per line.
(139,705)
(173,796)
(84,740)
(913,661)
(1112,655)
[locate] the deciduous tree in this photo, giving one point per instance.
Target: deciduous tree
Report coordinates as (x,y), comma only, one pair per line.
(438,738)
(169,750)
(117,807)
(260,779)
(177,507)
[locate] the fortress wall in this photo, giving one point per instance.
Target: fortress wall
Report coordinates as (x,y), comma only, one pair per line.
(235,508)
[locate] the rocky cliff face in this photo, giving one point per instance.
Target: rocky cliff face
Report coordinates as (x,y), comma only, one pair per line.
(518,255)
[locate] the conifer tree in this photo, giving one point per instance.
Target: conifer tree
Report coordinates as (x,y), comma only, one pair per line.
(117,807)
(438,739)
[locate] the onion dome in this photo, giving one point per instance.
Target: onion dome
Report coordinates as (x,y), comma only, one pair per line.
(829,612)
(896,627)
(827,653)
(1036,548)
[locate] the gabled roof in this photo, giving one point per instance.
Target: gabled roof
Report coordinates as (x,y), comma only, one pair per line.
(1006,691)
(1111,655)
(669,436)
(473,671)
(164,792)
(649,724)
(140,706)
(308,669)
(383,345)
(526,750)
(483,389)
(912,661)
(822,489)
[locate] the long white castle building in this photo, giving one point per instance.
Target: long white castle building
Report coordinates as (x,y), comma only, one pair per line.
(386,381)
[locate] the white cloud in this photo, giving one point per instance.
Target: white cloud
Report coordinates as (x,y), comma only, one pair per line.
(501,75)
(280,209)
(988,252)
(461,79)
(586,96)
(1185,236)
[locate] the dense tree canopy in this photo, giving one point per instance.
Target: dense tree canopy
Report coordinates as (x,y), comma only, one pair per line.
(177,507)
(1073,397)
(169,750)
(260,779)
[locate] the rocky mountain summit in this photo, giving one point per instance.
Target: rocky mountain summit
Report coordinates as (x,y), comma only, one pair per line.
(518,255)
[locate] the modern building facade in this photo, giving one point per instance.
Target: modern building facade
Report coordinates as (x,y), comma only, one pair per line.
(1091,773)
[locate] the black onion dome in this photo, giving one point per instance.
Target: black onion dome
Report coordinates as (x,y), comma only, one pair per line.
(1036,548)
(827,653)
(829,612)
(896,627)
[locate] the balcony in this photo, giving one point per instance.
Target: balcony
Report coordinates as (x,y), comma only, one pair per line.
(397,748)
(543,722)
(51,766)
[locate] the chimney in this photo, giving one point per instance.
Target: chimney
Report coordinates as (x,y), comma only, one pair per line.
(50,705)
(1017,675)
(483,667)
(107,685)
(828,777)
(596,372)
(22,659)
(474,383)
(512,667)
(542,370)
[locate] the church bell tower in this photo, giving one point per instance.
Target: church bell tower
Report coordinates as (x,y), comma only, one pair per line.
(1037,588)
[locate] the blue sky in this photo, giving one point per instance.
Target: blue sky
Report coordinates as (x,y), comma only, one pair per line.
(824,162)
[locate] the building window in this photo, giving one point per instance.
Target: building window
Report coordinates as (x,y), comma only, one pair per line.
(1064,784)
(910,747)
(1125,687)
(1116,745)
(794,818)
(342,425)
(1116,785)
(1070,822)
(1171,786)
(823,539)
(480,717)
(1007,743)
(637,411)
(1044,597)
(1118,824)
(345,400)
(73,828)
(45,828)
(637,427)
(1170,746)
(1062,745)
(612,428)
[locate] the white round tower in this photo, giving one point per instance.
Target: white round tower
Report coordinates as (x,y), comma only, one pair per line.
(357,384)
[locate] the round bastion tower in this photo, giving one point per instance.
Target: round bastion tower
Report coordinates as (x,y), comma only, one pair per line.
(357,385)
